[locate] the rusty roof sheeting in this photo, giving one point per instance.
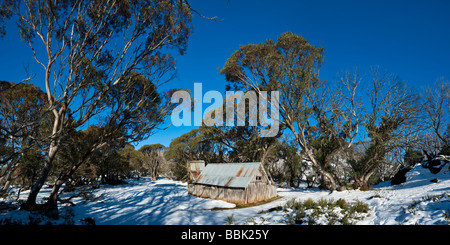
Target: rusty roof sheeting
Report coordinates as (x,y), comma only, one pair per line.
(236,175)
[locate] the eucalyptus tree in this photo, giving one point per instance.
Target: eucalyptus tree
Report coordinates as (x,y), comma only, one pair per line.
(291,66)
(102,64)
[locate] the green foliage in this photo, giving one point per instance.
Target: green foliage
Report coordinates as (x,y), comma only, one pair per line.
(152,160)
(413,157)
(230,220)
(272,55)
(324,148)
(111,163)
(294,163)
(23,122)
(198,144)
(30,165)
(151,148)
(341,203)
(359,207)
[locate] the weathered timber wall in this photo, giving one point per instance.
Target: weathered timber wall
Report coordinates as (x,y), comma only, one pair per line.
(254,192)
(259,191)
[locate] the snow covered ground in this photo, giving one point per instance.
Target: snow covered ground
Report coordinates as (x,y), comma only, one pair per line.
(166,202)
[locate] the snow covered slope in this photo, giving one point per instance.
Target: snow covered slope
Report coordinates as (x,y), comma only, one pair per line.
(422,199)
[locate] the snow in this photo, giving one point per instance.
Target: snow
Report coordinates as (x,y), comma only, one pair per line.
(166,202)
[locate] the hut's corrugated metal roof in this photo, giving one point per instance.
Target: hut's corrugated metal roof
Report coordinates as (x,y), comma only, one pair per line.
(236,175)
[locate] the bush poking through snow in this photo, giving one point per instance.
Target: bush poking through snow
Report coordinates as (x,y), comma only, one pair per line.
(230,220)
(324,211)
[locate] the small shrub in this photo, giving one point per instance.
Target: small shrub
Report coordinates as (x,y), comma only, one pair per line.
(323,203)
(289,204)
(300,215)
(87,221)
(311,220)
(68,216)
(308,204)
(346,220)
(332,218)
(359,207)
(447,214)
(230,220)
(342,204)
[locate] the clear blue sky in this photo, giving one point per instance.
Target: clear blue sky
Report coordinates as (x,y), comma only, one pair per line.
(408,38)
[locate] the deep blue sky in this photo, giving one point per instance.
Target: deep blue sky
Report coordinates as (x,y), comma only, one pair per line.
(408,38)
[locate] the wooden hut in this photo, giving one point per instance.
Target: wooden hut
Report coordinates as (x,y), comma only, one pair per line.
(233,182)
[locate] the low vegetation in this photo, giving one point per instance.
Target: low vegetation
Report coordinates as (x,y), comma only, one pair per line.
(324,211)
(310,212)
